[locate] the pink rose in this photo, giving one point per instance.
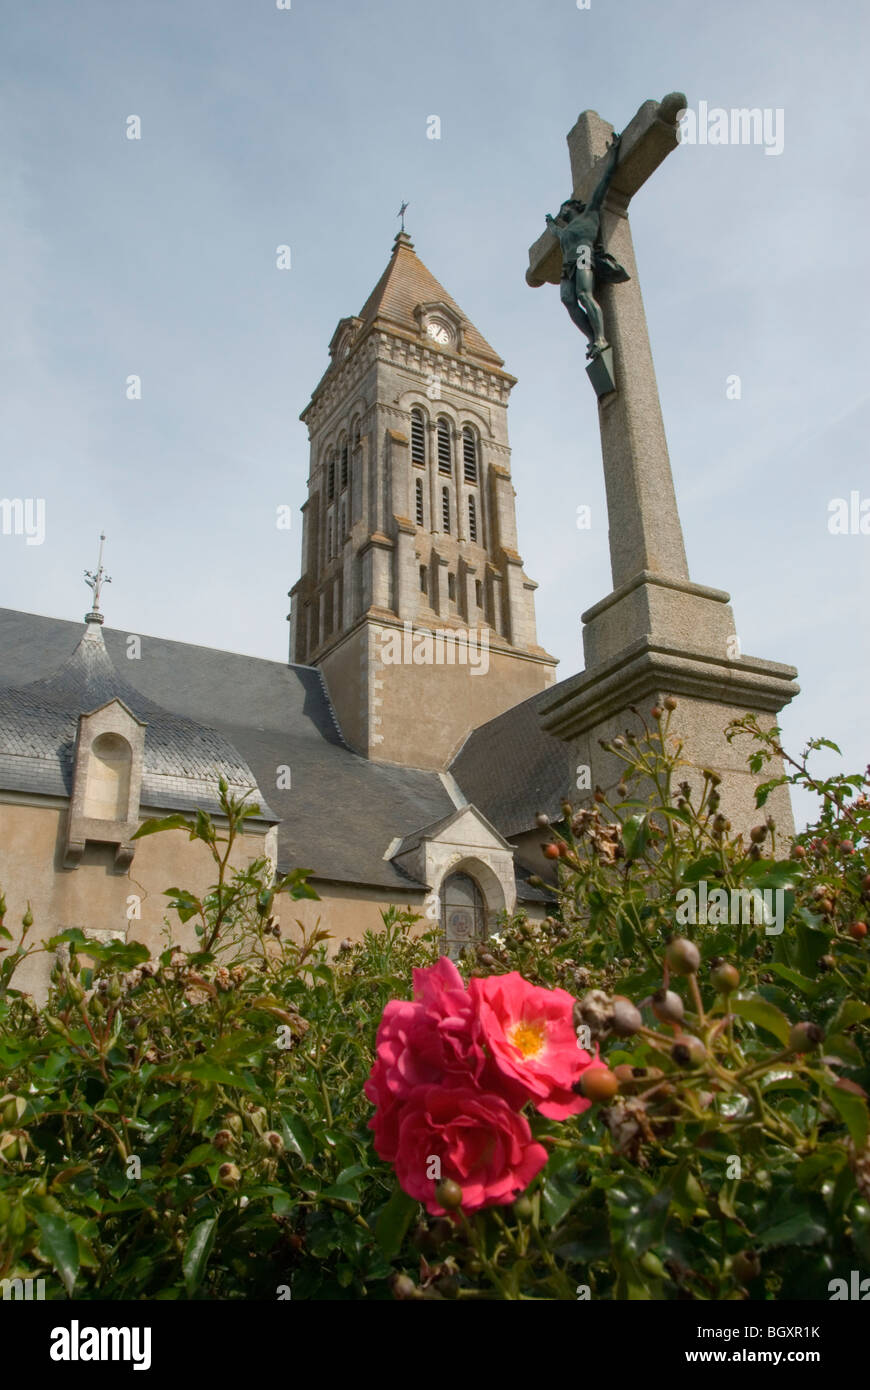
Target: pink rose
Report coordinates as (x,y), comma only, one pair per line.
(529,1033)
(432,1038)
(480,1141)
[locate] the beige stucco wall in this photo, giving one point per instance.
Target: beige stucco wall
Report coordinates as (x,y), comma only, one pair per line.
(95,895)
(419,716)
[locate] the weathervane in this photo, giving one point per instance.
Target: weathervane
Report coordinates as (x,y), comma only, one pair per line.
(401,213)
(95,580)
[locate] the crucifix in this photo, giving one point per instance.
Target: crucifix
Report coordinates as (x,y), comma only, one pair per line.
(604,300)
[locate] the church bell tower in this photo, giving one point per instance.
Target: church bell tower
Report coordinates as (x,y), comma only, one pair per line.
(412,600)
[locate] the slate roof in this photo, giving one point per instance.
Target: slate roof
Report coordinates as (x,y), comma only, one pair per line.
(341,812)
(39,721)
(511,769)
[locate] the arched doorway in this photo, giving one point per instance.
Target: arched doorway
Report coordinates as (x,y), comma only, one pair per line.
(463,914)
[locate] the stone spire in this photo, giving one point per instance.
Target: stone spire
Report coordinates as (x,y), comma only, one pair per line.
(95,579)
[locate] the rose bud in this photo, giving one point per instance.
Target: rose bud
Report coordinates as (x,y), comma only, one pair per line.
(598,1084)
(805,1037)
(688,1051)
(625,1018)
(222,1139)
(667,1006)
(448,1194)
(746,1266)
(725,977)
(683,956)
(229,1175)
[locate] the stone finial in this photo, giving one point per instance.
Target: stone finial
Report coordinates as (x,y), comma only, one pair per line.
(95,579)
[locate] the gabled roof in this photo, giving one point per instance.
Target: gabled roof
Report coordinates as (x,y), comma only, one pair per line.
(407,282)
(435,831)
(511,769)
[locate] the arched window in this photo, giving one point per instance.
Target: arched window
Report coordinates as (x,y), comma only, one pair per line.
(107,789)
(469,454)
(463,916)
(419,501)
(330,476)
(418,437)
(472,518)
(345,463)
(445,510)
(445,448)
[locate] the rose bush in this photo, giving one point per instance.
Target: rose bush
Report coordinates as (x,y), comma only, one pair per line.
(156,1141)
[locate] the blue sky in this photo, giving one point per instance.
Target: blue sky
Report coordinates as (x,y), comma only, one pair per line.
(307,127)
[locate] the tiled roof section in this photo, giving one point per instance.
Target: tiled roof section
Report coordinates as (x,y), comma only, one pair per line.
(341,812)
(510,769)
(407,282)
(38,724)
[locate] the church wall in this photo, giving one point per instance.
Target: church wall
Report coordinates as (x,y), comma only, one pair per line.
(347,910)
(95,896)
(419,714)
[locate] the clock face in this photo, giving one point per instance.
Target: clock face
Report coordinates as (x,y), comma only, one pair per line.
(438,333)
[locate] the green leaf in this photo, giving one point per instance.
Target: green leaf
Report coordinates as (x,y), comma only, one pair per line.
(811,988)
(298,1137)
(196,1253)
(852,1109)
(635,834)
(60,1245)
(393,1222)
(559,1192)
(850,1011)
(800,1229)
(155,824)
(203,1070)
(765,1015)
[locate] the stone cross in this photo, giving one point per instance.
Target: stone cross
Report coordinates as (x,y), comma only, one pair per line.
(645,531)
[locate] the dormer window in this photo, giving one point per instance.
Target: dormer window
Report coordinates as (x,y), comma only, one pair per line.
(106,783)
